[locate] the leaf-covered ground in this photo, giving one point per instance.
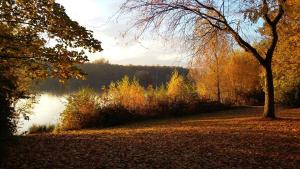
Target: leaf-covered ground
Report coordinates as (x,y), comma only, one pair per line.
(231,139)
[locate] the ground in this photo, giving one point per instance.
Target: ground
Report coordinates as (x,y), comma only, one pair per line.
(230,139)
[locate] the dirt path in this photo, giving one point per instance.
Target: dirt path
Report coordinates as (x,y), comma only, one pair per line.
(232,139)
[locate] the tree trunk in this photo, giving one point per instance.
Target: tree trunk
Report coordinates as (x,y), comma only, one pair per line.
(218,90)
(218,80)
(269,107)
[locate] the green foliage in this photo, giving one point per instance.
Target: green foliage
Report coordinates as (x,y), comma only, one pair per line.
(26,27)
(86,109)
(35,129)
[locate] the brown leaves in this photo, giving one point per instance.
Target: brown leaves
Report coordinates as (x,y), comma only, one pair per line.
(224,140)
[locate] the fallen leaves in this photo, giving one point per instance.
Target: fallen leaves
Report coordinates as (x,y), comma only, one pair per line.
(194,142)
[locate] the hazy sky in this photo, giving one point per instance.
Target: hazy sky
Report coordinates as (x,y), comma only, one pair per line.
(98,16)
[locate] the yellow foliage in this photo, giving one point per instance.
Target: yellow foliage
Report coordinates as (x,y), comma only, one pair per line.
(81,109)
(286,62)
(235,74)
(179,89)
(242,77)
(128,93)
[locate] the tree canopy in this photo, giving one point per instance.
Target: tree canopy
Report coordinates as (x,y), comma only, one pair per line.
(38,40)
(286,65)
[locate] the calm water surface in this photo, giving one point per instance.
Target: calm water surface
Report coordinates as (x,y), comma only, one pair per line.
(47,110)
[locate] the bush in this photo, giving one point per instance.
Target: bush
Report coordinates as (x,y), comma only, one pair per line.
(115,115)
(81,110)
(86,109)
(179,89)
(129,94)
(126,101)
(34,129)
(289,97)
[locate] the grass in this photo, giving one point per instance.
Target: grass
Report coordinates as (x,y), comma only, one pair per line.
(35,129)
(229,139)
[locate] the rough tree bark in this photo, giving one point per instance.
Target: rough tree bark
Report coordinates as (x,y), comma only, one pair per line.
(218,80)
(269,107)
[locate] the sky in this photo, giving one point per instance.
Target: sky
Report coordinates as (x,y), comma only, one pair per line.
(100,17)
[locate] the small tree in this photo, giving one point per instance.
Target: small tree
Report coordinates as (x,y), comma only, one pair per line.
(214,15)
(209,63)
(81,110)
(127,93)
(178,88)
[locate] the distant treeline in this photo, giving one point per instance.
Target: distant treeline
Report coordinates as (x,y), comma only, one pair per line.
(99,75)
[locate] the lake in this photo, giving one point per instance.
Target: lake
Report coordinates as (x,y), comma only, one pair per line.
(46,110)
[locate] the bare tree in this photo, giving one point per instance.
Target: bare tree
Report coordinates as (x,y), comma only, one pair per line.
(211,15)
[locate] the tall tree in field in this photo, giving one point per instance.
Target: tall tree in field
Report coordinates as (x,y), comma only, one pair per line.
(212,15)
(286,63)
(209,62)
(38,40)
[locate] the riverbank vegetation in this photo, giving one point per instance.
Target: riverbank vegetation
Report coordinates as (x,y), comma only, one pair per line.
(127,101)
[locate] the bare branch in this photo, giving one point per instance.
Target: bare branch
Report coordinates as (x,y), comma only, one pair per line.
(178,14)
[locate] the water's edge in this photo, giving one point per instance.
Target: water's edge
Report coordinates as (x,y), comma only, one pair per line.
(45,111)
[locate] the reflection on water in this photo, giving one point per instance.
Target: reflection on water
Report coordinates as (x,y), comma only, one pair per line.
(45,111)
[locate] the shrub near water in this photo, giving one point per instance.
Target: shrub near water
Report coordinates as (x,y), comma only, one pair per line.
(81,110)
(126,100)
(129,94)
(87,109)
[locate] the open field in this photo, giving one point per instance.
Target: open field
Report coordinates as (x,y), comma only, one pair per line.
(230,139)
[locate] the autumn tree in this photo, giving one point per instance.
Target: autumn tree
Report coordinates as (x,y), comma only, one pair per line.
(126,92)
(38,40)
(179,89)
(286,64)
(209,63)
(211,15)
(239,77)
(241,84)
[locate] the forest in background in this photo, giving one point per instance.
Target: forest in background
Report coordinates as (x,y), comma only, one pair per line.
(101,74)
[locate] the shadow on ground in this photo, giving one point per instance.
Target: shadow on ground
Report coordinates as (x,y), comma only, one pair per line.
(231,139)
